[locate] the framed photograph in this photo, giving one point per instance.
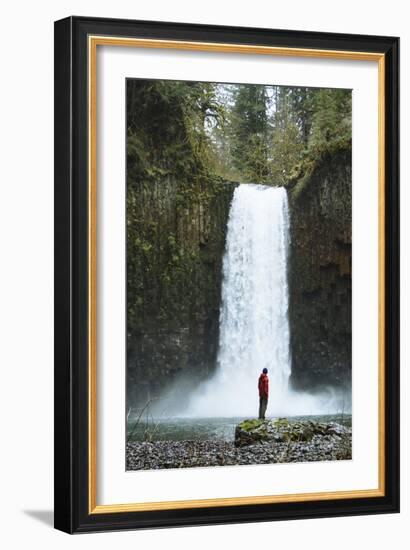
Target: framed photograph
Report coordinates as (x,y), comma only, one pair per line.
(226,274)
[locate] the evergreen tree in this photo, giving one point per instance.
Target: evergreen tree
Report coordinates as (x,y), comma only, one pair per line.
(331,120)
(302,102)
(287,137)
(249,131)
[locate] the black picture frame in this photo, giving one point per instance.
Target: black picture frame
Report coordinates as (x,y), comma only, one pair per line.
(71,492)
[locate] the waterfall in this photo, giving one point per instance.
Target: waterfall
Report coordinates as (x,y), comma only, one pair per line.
(254,324)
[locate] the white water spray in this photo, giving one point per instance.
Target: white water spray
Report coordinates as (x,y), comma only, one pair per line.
(254,323)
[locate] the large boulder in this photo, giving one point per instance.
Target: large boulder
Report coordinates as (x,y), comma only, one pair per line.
(251,432)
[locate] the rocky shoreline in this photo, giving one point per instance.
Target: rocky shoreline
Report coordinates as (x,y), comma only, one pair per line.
(256,442)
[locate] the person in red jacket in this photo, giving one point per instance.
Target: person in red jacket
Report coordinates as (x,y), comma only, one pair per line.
(263,386)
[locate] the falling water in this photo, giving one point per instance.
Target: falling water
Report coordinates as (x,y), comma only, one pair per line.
(254,323)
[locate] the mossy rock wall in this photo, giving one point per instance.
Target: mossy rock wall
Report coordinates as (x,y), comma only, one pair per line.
(320,274)
(175,242)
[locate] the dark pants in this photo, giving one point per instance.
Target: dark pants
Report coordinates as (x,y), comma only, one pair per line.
(263,403)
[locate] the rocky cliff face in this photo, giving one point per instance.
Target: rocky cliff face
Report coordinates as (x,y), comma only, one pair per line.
(320,275)
(175,243)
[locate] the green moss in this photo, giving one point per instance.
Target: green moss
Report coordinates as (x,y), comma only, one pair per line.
(304,178)
(249,425)
(281,422)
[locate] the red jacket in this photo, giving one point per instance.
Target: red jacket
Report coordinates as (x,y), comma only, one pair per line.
(263,385)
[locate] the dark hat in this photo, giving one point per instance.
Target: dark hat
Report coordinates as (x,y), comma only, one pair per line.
(265,371)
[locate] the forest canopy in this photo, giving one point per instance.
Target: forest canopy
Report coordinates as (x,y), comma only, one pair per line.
(240,132)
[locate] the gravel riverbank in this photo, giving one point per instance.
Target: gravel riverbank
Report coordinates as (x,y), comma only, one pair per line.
(190,453)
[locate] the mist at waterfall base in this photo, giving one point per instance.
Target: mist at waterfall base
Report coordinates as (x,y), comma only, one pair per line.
(254,322)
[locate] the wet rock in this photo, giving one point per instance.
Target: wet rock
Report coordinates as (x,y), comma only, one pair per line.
(254,431)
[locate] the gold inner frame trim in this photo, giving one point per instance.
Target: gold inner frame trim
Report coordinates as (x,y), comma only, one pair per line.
(93,42)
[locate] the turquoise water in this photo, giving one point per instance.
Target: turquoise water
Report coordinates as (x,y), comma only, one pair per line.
(179,429)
